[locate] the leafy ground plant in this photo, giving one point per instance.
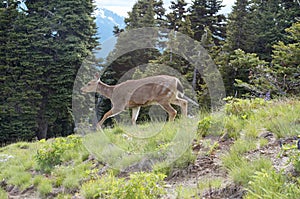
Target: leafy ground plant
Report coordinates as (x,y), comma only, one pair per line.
(51,153)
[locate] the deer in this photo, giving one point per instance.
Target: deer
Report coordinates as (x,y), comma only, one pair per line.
(160,90)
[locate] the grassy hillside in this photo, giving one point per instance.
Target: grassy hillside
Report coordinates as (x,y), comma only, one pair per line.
(246,150)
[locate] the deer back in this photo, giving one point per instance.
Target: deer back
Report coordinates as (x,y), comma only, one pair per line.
(146,91)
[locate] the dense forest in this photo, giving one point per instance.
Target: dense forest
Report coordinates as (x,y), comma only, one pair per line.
(256,49)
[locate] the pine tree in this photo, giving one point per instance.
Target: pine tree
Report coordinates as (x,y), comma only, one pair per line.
(19,100)
(238,31)
(68,37)
(205,13)
(49,41)
(286,62)
(268,21)
(176,18)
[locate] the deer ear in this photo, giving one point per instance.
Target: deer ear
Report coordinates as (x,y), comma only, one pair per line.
(97,76)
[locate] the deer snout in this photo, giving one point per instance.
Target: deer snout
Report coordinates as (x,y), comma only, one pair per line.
(83,91)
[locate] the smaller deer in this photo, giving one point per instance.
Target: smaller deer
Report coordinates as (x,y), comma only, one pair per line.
(163,90)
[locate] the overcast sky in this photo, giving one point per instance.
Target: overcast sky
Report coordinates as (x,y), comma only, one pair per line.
(121,7)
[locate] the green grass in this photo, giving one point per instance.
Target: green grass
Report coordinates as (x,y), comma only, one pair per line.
(206,184)
(271,184)
(127,145)
(138,185)
(258,175)
(44,187)
(164,147)
(242,173)
(3,193)
(186,192)
(167,146)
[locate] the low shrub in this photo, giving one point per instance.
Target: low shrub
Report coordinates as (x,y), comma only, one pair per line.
(243,108)
(51,153)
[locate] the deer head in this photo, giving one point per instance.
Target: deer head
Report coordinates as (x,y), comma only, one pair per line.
(92,85)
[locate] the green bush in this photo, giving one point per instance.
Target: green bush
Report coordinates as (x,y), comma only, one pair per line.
(243,108)
(204,126)
(51,153)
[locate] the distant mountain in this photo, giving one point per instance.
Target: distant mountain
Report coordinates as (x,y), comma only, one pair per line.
(105,21)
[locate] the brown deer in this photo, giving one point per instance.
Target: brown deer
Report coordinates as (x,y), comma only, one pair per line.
(162,90)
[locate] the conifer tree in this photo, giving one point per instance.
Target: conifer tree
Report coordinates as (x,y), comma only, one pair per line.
(238,31)
(268,22)
(176,18)
(68,37)
(205,13)
(286,62)
(50,41)
(18,97)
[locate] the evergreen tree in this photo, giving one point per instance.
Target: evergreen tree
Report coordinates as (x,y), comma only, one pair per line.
(238,31)
(255,26)
(67,30)
(19,99)
(286,62)
(177,21)
(268,21)
(51,39)
(176,18)
(205,13)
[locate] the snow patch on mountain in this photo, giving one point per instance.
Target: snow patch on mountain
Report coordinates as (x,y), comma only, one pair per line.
(105,21)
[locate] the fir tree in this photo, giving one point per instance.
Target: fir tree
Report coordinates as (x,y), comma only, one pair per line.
(49,41)
(286,62)
(205,13)
(268,21)
(19,99)
(176,18)
(238,31)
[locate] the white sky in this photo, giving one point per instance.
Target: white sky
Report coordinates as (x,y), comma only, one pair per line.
(121,7)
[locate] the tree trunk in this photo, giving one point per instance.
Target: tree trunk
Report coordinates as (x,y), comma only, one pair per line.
(42,128)
(42,121)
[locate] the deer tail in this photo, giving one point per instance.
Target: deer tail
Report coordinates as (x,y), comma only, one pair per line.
(190,100)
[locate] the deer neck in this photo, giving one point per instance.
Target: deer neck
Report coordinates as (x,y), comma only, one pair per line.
(105,89)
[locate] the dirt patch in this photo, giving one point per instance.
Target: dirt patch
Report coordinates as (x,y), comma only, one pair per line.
(208,166)
(15,193)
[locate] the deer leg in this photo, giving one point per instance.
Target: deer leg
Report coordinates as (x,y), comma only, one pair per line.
(171,111)
(183,105)
(135,114)
(108,114)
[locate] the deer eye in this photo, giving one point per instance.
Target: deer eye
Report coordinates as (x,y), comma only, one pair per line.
(89,84)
